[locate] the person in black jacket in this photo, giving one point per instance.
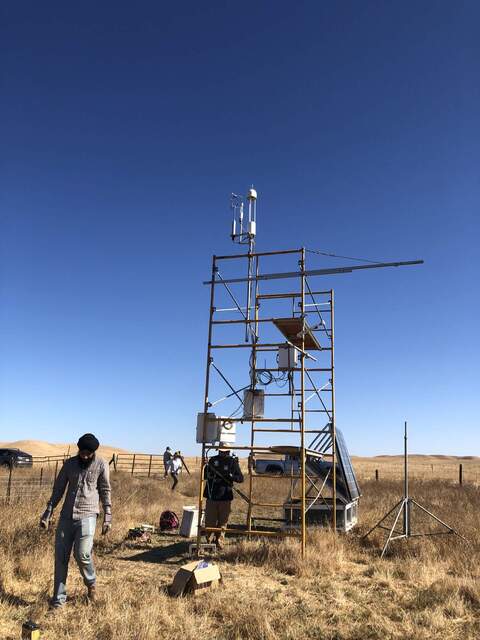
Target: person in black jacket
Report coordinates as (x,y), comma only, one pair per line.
(167,456)
(219,474)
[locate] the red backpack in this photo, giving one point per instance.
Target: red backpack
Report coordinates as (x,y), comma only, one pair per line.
(169,521)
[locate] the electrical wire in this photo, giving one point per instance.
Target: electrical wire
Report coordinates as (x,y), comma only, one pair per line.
(236,411)
(267,377)
(329,254)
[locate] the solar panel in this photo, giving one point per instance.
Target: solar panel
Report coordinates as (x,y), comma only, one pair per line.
(346,466)
(323,443)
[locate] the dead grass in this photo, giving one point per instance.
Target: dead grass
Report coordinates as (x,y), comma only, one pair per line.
(342,590)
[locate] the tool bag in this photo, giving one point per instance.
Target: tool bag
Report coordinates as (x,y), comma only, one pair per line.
(169,521)
(139,535)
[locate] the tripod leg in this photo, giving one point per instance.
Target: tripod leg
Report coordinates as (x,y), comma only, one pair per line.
(451,529)
(393,528)
(384,518)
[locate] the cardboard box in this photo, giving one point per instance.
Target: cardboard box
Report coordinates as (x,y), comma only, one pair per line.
(195,577)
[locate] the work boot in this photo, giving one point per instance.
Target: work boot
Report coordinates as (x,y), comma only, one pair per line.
(92,593)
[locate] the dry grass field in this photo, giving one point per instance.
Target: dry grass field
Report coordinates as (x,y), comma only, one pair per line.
(420,467)
(342,591)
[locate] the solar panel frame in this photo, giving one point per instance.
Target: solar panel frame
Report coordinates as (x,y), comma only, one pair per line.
(344,462)
(346,466)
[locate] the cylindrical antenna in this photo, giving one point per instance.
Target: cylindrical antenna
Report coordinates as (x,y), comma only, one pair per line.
(240,217)
(252,213)
(252,200)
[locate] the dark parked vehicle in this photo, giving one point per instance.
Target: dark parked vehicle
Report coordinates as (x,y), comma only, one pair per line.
(15,458)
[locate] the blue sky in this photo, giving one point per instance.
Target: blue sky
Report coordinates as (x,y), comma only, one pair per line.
(124,128)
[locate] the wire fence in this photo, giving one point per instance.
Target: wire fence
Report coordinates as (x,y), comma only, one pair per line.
(17,483)
(461,473)
(149,465)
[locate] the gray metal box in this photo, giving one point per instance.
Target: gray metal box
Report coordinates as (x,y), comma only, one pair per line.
(253,403)
(287,357)
(216,429)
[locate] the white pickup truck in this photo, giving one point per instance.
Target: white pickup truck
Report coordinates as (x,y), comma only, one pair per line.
(281,467)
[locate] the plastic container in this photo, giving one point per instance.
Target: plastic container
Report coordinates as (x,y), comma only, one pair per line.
(189,526)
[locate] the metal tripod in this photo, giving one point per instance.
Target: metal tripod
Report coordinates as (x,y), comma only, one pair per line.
(404,507)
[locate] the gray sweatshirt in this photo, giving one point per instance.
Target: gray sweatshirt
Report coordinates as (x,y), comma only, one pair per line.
(84,488)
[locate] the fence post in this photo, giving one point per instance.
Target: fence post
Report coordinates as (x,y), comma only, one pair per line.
(41,476)
(9,485)
(150,465)
(376,475)
(56,471)
(460,474)
(133,463)
(115,458)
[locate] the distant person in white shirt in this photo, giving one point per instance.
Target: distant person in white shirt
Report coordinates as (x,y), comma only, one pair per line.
(175,465)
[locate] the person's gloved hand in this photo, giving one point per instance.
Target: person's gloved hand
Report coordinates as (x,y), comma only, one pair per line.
(107,521)
(45,519)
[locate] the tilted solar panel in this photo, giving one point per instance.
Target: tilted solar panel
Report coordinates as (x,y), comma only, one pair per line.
(346,466)
(323,443)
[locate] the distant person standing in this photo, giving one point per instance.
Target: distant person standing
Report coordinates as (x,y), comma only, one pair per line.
(86,479)
(219,474)
(175,467)
(167,456)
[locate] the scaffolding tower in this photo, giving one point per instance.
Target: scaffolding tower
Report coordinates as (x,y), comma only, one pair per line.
(279,344)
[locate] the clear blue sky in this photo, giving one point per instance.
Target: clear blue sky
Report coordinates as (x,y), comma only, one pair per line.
(124,127)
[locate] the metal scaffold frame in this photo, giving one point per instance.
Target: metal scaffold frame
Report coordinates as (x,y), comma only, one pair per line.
(313,468)
(304,388)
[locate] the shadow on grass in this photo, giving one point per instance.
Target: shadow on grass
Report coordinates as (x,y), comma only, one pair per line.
(10,599)
(173,553)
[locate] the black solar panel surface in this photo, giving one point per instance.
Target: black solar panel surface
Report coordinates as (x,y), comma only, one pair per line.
(346,464)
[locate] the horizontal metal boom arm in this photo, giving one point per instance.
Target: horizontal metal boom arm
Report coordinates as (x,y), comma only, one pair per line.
(316,272)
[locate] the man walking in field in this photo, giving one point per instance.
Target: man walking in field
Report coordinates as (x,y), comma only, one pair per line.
(86,478)
(219,474)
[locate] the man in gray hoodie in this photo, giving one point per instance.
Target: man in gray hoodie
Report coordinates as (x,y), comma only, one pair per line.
(86,479)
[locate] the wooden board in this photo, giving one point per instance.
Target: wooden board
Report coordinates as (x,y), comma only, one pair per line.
(292,327)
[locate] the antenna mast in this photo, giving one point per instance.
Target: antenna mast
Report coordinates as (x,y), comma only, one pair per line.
(244,233)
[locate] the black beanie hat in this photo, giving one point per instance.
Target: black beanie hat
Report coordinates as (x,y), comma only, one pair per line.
(88,442)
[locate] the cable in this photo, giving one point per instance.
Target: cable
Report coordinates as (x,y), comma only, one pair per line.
(236,411)
(335,255)
(264,377)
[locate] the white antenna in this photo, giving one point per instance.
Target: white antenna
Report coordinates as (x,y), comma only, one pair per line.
(244,233)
